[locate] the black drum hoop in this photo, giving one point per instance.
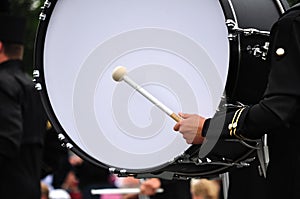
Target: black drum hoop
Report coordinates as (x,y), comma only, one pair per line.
(39,79)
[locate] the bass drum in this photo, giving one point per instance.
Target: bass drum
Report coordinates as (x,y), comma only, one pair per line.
(177,51)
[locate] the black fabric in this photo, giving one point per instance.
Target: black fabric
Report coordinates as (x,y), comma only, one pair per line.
(12,29)
(174,189)
(89,174)
(22,128)
(90,177)
(4,6)
(55,158)
(246,183)
(20,176)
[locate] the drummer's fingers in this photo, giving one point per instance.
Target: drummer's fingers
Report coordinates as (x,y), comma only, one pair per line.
(177,126)
(187,138)
(147,190)
(184,115)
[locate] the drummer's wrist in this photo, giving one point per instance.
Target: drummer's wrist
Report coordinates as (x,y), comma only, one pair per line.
(199,135)
(205,127)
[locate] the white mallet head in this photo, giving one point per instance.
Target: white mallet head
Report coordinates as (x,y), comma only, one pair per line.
(118,73)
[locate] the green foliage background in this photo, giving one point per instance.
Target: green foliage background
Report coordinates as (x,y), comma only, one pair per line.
(292,2)
(31,10)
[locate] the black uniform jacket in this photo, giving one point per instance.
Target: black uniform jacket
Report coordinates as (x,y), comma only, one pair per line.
(277,114)
(22,127)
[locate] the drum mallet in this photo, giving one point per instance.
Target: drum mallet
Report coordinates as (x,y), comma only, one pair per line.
(120,73)
(120,191)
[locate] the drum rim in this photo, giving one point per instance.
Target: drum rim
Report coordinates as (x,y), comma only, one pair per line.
(66,139)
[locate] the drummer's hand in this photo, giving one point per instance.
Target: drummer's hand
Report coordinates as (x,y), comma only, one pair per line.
(191,127)
(150,186)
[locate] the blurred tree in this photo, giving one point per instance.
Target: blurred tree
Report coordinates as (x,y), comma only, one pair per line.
(292,2)
(29,9)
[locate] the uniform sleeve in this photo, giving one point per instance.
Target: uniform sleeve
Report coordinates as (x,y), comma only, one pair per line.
(10,126)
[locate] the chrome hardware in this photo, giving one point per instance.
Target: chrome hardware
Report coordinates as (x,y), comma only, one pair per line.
(42,16)
(46,5)
(38,86)
(232,25)
(36,73)
(61,137)
(112,170)
(69,145)
(259,51)
(123,171)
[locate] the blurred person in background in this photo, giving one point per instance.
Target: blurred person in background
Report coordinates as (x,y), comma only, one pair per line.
(22,117)
(90,176)
(205,189)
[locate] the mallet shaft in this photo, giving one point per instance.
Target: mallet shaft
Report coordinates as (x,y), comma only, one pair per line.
(151,98)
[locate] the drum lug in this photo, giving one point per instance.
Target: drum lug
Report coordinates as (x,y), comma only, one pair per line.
(66,144)
(61,137)
(119,173)
(123,172)
(69,146)
(36,74)
(42,16)
(259,51)
(112,170)
(38,86)
(46,5)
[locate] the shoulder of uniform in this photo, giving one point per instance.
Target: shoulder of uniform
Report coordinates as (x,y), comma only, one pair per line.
(9,85)
(292,13)
(287,20)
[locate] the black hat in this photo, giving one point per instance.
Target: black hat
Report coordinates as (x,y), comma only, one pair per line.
(12,29)
(4,6)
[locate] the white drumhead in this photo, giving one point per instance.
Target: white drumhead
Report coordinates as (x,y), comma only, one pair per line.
(177,50)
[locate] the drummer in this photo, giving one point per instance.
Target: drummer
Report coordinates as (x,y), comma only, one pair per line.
(277,113)
(22,119)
